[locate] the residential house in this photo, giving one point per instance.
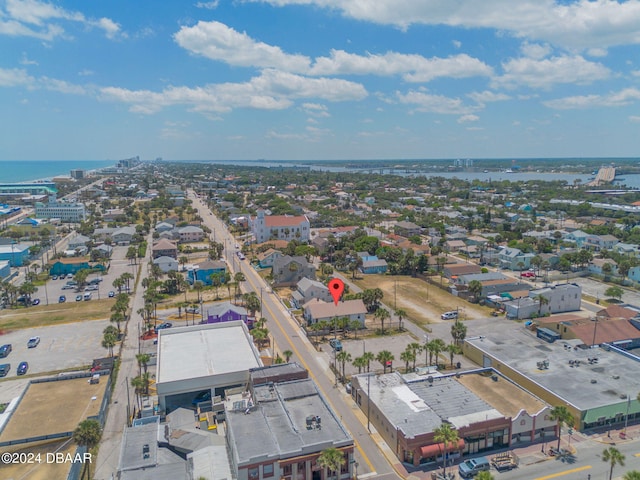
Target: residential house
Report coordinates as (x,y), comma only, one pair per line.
(227,312)
(163,227)
(514,259)
(190,233)
(283,227)
(266,258)
(372,264)
(163,248)
(577,236)
(454,270)
(307,290)
(288,271)
(166,264)
(454,246)
(601,242)
(103,251)
(561,298)
(407,229)
(596,264)
(124,235)
(203,271)
(78,241)
(629,249)
(316,310)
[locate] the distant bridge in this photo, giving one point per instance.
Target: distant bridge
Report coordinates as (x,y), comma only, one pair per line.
(605,175)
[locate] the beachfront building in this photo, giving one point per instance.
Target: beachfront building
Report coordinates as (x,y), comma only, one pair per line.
(280,227)
(65,211)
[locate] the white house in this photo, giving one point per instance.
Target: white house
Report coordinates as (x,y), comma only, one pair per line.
(316,311)
(190,233)
(279,227)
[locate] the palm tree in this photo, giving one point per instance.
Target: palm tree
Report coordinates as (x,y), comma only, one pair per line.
(343,357)
(562,416)
(614,457)
(143,360)
(475,289)
(416,348)
(109,341)
(287,355)
(87,434)
(407,356)
(332,459)
(632,475)
(359,363)
(541,301)
(452,349)
(458,332)
(448,436)
(385,357)
(138,388)
(370,357)
(435,346)
(382,314)
(400,313)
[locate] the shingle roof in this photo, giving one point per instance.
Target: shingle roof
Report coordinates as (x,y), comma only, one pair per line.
(319,309)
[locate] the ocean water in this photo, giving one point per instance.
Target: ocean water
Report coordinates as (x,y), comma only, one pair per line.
(27,171)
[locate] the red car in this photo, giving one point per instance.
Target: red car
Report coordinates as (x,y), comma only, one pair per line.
(528,274)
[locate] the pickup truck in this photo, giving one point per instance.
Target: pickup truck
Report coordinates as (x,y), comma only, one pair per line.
(505,461)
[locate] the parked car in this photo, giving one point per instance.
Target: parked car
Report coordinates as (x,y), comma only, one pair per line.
(35,301)
(91,288)
(4,369)
(528,274)
(112,294)
(54,277)
(68,287)
(95,281)
(336,344)
(69,275)
(33,342)
(164,325)
(191,309)
(62,299)
(22,368)
(472,467)
(449,315)
(78,298)
(5,350)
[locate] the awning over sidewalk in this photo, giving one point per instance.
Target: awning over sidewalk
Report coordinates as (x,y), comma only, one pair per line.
(438,449)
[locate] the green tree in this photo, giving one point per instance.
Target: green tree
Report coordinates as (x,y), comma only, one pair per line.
(435,346)
(614,457)
(416,348)
(452,349)
(251,302)
(143,361)
(632,475)
(408,355)
(614,292)
(475,290)
(87,434)
(542,300)
(370,357)
(382,314)
(359,363)
(562,416)
(109,341)
(401,314)
(448,436)
(287,355)
(343,357)
(484,476)
(458,332)
(384,357)
(332,459)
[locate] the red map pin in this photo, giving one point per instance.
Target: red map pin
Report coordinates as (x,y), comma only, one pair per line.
(336,287)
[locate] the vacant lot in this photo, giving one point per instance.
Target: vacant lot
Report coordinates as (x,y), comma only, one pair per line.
(54,407)
(42,471)
(43,315)
(423,302)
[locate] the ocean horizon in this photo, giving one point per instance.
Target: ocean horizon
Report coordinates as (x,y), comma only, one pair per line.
(32,170)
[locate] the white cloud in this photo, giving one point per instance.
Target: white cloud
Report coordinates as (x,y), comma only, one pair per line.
(316,110)
(614,99)
(548,72)
(24,60)
(634,118)
(37,15)
(272,90)
(62,86)
(576,24)
(217,41)
(488,96)
(413,68)
(425,102)
(597,52)
(208,5)
(457,43)
(284,136)
(85,72)
(15,77)
(534,50)
(468,118)
(636,73)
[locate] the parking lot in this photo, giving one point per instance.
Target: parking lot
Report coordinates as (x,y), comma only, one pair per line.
(67,346)
(54,289)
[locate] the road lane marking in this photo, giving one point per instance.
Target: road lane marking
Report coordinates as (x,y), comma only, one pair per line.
(297,353)
(566,472)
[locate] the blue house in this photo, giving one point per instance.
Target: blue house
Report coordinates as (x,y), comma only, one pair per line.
(372,264)
(5,270)
(72,265)
(204,270)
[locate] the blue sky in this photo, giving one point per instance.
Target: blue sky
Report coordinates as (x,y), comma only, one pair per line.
(319,79)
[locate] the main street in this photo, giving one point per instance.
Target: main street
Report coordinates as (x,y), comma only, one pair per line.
(289,336)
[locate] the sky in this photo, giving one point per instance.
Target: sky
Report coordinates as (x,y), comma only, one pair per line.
(319,79)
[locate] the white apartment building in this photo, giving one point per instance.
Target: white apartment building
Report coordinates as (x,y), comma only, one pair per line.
(280,227)
(65,211)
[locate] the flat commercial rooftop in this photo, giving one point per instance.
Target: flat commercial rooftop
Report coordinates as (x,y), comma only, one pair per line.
(204,351)
(289,419)
(586,386)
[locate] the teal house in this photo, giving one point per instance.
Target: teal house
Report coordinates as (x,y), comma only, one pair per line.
(64,266)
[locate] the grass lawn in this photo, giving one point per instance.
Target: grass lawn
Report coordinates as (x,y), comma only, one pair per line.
(55,313)
(423,302)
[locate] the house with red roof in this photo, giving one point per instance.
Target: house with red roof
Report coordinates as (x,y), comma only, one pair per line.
(279,227)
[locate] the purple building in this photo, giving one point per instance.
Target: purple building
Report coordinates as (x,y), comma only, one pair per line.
(228,312)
